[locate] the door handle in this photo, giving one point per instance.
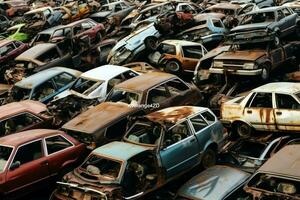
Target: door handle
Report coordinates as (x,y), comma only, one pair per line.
(45,163)
(249,111)
(278,113)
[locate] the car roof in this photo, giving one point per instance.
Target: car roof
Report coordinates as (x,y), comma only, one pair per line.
(181,43)
(42,76)
(105,72)
(268,9)
(23,137)
(145,81)
(21,106)
(279,87)
(5,42)
(174,114)
(219,180)
(77,22)
(120,150)
(98,117)
(154,6)
(285,162)
(38,10)
(35,51)
(225,6)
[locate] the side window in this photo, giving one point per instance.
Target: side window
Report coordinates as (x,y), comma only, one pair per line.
(57,143)
(217,23)
(86,26)
(63,79)
(192,51)
(157,94)
(47,13)
(129,74)
(198,123)
(176,134)
(43,91)
(17,44)
(114,81)
(29,152)
(6,49)
(49,56)
(118,8)
(280,15)
(77,30)
(210,118)
(262,100)
(168,49)
(286,12)
(284,101)
(176,86)
(116,130)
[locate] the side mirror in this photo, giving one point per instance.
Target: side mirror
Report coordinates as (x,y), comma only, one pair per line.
(15,165)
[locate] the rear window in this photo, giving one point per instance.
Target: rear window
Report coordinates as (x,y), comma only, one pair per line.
(5,153)
(248,148)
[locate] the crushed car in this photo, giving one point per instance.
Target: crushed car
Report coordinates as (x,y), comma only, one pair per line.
(271,107)
(177,56)
(44,85)
(134,164)
(13,8)
(27,156)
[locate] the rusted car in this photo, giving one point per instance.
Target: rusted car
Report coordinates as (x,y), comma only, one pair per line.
(101,124)
(40,19)
(44,36)
(177,56)
(257,59)
(75,30)
(44,85)
(271,107)
(278,178)
(249,154)
(155,90)
(13,8)
(10,49)
(30,158)
(222,182)
(151,145)
(270,22)
(21,116)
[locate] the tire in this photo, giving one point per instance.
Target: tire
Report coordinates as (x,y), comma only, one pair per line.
(151,43)
(208,158)
(265,73)
(173,67)
(243,130)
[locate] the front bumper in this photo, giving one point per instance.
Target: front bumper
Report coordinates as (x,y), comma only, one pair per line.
(243,72)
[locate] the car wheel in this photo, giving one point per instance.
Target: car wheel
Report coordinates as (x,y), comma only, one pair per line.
(173,67)
(208,158)
(265,73)
(243,130)
(151,43)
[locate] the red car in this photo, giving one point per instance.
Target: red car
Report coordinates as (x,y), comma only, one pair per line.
(75,30)
(10,49)
(29,158)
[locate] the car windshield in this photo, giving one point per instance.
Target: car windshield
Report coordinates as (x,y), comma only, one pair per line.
(18,93)
(106,8)
(99,167)
(248,148)
(166,48)
(275,185)
(258,18)
(5,153)
(146,133)
(85,86)
(117,95)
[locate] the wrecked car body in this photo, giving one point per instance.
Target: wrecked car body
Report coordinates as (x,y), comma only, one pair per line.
(141,67)
(223,181)
(13,8)
(271,107)
(177,56)
(139,154)
(44,85)
(44,36)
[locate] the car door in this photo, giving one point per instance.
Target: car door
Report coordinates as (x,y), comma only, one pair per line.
(59,151)
(178,149)
(32,167)
(287,112)
(159,95)
(259,111)
(190,57)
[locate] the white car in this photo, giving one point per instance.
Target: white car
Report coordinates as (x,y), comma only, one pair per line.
(271,107)
(96,83)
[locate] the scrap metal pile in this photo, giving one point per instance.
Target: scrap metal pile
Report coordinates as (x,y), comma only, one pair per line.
(157,99)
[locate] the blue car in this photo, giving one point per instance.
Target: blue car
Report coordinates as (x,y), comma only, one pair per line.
(158,148)
(44,85)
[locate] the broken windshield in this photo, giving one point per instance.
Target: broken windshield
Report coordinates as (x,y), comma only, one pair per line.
(85,86)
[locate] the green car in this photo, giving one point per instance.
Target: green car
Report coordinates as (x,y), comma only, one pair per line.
(15,33)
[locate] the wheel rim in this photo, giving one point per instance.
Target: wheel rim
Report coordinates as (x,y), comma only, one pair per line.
(152,44)
(173,66)
(243,130)
(208,159)
(264,74)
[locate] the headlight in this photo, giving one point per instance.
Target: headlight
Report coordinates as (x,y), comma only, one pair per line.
(249,66)
(218,64)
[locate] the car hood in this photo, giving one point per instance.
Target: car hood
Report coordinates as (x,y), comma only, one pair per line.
(241,55)
(250,27)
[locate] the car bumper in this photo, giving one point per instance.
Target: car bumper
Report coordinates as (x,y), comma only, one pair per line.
(243,72)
